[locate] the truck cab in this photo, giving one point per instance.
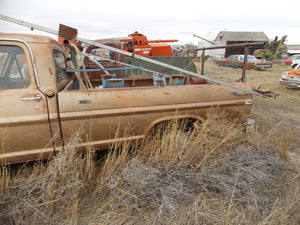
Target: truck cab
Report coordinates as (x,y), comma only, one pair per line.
(128,44)
(28,84)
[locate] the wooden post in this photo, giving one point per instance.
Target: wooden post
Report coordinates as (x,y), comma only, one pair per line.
(244,64)
(202,62)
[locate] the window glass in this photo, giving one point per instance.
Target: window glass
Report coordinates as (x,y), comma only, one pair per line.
(129,44)
(60,63)
(123,44)
(102,53)
(3,58)
(14,71)
(295,57)
(251,58)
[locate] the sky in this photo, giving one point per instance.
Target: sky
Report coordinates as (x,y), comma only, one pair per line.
(157,19)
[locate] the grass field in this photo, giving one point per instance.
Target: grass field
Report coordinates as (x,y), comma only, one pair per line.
(282,111)
(214,174)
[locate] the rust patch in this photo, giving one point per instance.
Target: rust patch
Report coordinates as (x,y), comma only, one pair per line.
(50,71)
(198,80)
(159,80)
(267,93)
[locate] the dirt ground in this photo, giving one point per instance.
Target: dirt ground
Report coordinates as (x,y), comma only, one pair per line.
(281,113)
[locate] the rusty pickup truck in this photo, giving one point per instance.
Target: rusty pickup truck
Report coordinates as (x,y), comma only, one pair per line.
(237,61)
(40,106)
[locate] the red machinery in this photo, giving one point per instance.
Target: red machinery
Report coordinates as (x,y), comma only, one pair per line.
(140,45)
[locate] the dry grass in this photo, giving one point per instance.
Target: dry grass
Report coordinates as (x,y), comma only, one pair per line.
(213,174)
(282,112)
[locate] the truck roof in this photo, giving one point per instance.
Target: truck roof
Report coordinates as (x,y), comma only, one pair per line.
(30,38)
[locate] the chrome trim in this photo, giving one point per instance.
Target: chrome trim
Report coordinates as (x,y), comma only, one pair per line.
(31,55)
(290,83)
(36,98)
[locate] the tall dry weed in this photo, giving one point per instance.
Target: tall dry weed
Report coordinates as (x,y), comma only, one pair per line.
(179,144)
(48,193)
(211,174)
(4,171)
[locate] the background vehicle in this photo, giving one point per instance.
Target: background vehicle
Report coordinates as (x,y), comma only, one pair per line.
(284,61)
(291,78)
(295,61)
(237,61)
(139,44)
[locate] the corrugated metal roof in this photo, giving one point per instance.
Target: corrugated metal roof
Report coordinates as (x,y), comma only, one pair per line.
(241,36)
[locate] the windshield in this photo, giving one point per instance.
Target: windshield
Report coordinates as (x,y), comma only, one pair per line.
(102,54)
(250,58)
(295,57)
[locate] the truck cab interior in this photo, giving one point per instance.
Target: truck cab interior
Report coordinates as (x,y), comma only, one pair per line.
(14,71)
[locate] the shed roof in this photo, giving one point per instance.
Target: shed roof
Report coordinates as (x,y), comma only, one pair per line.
(241,36)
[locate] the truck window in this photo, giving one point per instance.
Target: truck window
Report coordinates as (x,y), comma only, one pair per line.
(60,63)
(14,71)
(60,66)
(129,44)
(251,58)
(123,44)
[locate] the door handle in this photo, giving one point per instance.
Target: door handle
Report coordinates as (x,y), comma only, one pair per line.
(36,98)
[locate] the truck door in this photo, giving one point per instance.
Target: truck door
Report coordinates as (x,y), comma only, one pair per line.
(24,128)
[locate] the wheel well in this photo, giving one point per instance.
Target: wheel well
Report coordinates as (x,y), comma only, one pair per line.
(185,123)
(294,66)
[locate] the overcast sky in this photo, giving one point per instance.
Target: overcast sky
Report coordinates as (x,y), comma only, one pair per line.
(158,19)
